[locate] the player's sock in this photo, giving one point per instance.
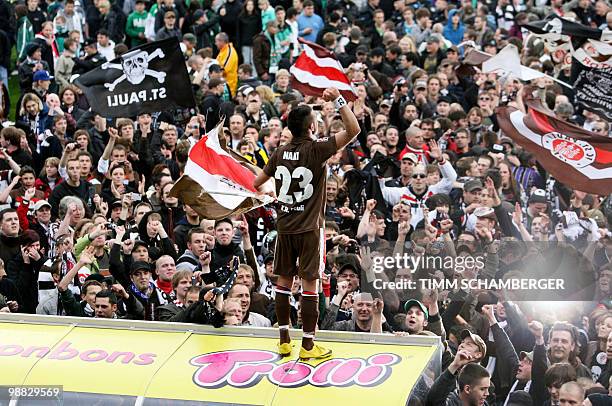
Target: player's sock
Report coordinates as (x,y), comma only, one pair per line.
(282,312)
(310,316)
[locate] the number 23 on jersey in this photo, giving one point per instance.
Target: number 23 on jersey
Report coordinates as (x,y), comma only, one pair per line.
(303,177)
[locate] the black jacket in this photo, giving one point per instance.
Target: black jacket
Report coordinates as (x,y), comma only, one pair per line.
(88,63)
(85,191)
(249,25)
(222,254)
(114,22)
(443,393)
(201,312)
(210,109)
(229,22)
(9,248)
(25,277)
(157,246)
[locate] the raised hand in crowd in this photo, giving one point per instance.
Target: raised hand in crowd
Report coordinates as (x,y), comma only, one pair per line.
(537,329)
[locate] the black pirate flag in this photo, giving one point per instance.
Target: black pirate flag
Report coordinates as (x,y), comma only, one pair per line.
(152,77)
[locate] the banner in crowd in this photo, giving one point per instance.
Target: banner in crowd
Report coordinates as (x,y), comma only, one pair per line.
(594,91)
(554,24)
(317,69)
(594,54)
(238,366)
(508,62)
(566,39)
(576,157)
(152,77)
(218,182)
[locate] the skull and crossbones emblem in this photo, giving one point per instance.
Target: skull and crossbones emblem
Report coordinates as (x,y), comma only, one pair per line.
(135,67)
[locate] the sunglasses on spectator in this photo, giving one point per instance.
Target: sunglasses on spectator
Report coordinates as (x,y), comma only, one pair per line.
(419,176)
(485,98)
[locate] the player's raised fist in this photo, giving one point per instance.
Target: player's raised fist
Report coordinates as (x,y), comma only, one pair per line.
(331,94)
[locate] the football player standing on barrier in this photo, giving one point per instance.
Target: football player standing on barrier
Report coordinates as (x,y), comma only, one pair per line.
(300,169)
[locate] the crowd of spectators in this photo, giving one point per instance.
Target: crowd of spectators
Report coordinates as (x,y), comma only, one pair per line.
(88,227)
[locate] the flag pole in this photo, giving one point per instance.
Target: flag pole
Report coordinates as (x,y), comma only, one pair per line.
(265,198)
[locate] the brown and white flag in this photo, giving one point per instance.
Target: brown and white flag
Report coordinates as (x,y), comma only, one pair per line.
(218,182)
(578,158)
(317,69)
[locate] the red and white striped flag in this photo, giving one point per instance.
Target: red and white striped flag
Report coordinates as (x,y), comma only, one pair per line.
(317,69)
(218,182)
(574,156)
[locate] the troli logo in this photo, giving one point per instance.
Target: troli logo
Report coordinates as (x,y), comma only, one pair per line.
(246,368)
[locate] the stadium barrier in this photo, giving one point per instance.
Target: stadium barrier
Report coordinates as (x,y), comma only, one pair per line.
(101,361)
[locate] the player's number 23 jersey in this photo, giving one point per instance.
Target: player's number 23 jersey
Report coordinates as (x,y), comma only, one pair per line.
(299,169)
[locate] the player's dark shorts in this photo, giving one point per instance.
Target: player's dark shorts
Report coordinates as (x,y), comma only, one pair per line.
(300,254)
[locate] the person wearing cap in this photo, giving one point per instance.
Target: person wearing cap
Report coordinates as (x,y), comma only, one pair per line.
(41,80)
(407,163)
(42,219)
(143,289)
(443,106)
(205,27)
(33,62)
(228,60)
(416,316)
(135,25)
(169,29)
(490,47)
(91,60)
(376,62)
(470,201)
(473,382)
(188,45)
(523,375)
(433,55)
(537,204)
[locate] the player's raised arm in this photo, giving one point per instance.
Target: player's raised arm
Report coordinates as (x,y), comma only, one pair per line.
(348,117)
